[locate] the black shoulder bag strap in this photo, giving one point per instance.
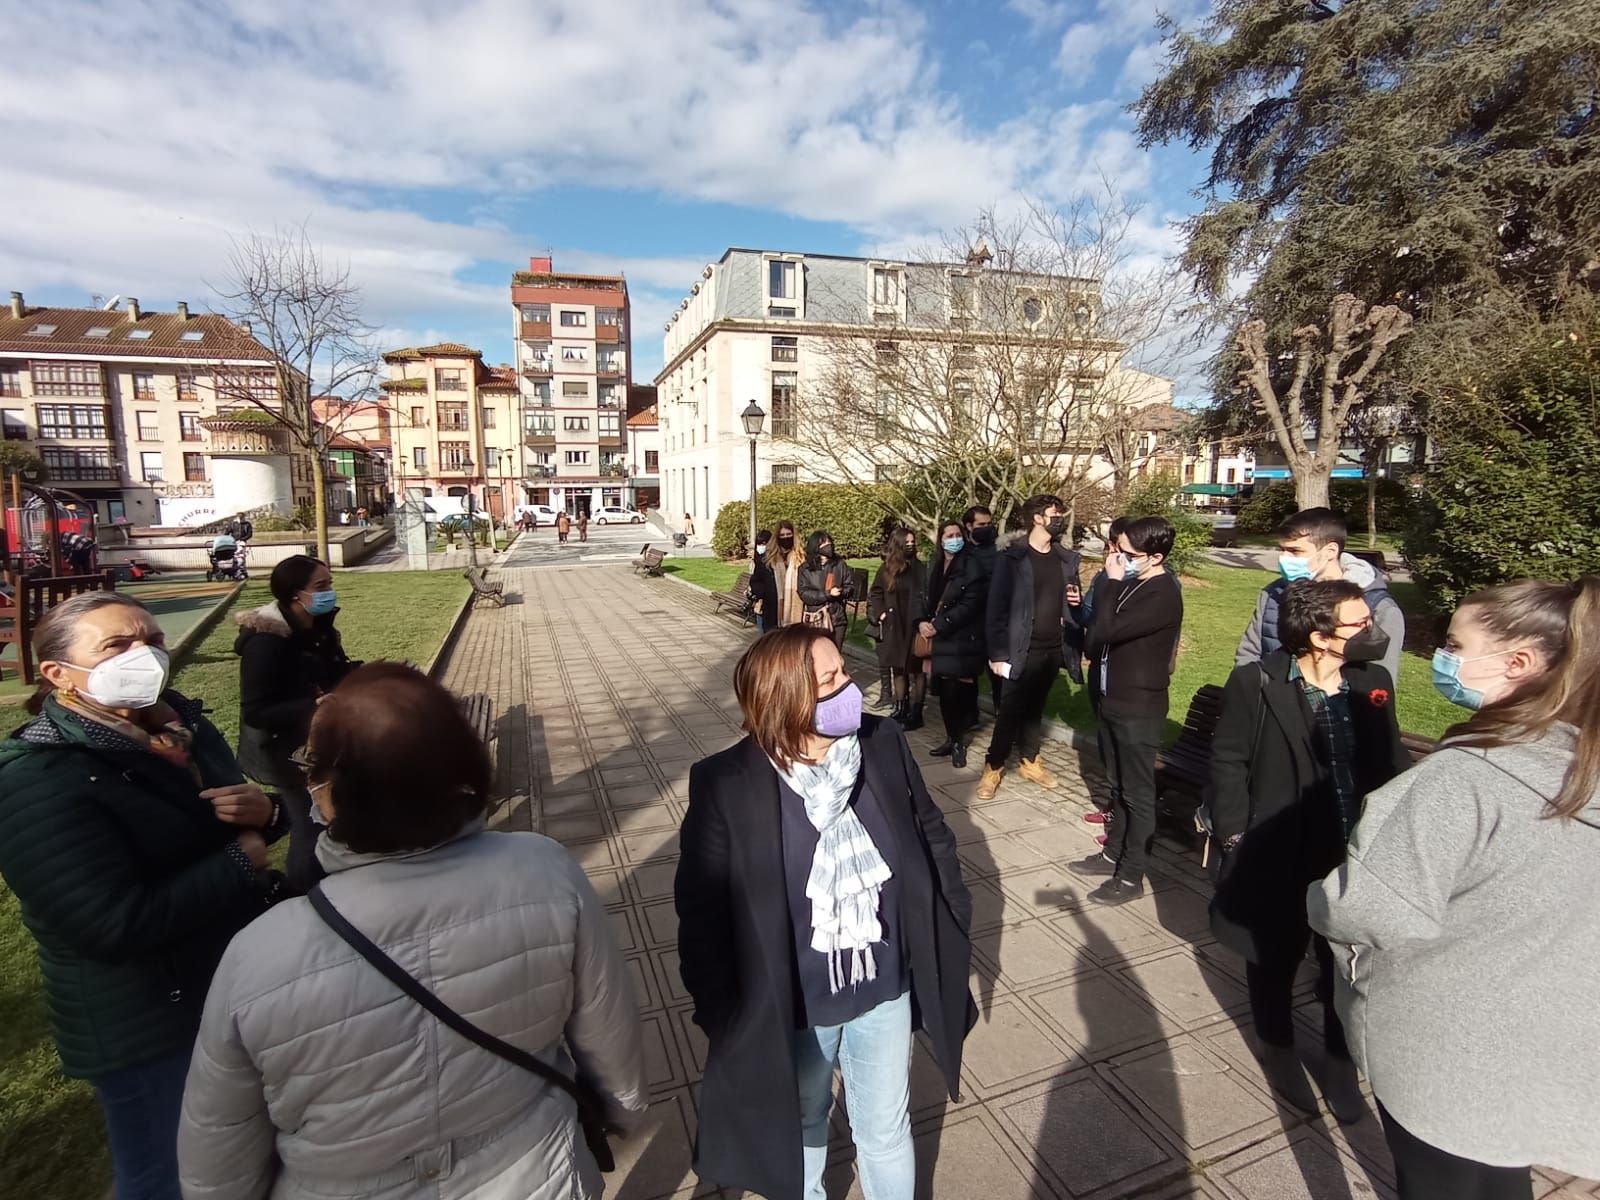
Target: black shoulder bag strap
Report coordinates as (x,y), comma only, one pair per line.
(590,1112)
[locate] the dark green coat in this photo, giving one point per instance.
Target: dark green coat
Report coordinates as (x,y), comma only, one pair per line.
(125,882)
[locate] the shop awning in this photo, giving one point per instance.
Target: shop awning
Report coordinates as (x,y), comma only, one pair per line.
(1212,489)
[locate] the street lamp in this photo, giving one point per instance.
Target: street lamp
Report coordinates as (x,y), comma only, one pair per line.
(753,417)
(472,525)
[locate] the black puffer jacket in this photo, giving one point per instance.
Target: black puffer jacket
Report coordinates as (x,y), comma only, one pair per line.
(958,597)
(812,584)
(282,671)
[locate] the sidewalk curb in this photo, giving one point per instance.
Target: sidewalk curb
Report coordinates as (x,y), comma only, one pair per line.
(204,626)
(1078,739)
(450,638)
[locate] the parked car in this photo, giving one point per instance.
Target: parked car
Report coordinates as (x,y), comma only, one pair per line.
(618,516)
(543,514)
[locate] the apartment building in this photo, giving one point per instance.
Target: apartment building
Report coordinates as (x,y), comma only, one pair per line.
(455,427)
(573,336)
(154,418)
(779,329)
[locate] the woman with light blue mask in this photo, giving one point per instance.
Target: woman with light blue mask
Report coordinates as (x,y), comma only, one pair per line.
(1467,914)
(290,657)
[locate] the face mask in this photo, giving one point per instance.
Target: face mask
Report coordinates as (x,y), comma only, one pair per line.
(1293,567)
(954,545)
(1132,567)
(1056,526)
(839,715)
(322,603)
(761,549)
(1368,645)
(826,549)
(316,809)
(984,535)
(911,549)
(1447,678)
(786,540)
(132,679)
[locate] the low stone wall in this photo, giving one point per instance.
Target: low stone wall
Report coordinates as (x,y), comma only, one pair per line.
(347,548)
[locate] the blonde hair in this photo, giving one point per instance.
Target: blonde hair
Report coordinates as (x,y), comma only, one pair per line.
(1563,621)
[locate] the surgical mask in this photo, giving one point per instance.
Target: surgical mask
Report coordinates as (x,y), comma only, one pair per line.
(316,810)
(323,603)
(1132,568)
(1368,645)
(1447,678)
(761,549)
(954,545)
(839,714)
(133,679)
(1056,526)
(984,535)
(1293,567)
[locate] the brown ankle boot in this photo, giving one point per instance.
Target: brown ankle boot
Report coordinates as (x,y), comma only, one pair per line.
(990,783)
(1034,771)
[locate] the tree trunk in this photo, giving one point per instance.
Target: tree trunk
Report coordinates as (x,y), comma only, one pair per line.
(319,505)
(1372,509)
(1311,485)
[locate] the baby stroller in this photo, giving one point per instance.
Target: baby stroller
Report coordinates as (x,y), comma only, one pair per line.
(227,560)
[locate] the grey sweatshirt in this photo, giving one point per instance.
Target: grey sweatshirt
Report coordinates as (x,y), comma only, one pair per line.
(1467,929)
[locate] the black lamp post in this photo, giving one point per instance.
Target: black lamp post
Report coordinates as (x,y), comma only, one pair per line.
(754,417)
(472,524)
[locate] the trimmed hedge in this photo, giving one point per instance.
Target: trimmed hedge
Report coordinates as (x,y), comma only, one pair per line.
(1269,506)
(1157,496)
(853,515)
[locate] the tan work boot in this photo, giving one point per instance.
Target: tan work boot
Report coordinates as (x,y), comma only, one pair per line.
(1034,771)
(990,783)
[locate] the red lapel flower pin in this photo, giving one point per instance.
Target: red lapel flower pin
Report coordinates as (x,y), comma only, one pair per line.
(1379,697)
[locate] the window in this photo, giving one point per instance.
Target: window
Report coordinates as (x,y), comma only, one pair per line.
(539,426)
(610,364)
(41,331)
(780,280)
(194,468)
(574,320)
(536,312)
(419,457)
(609,424)
(608,316)
(887,425)
(99,331)
(67,379)
(10,382)
(652,461)
(140,335)
(258,387)
(540,391)
(188,385)
(963,296)
(72,421)
(577,458)
(78,464)
(488,417)
(1233,474)
(785,423)
(885,287)
(785,473)
(574,389)
(785,349)
(776,311)
(491,459)
(150,465)
(575,424)
(453,417)
(192,335)
(610,395)
(15,424)
(1033,310)
(149,427)
(417,417)
(450,379)
(189,426)
(144,385)
(574,354)
(454,456)
(883,473)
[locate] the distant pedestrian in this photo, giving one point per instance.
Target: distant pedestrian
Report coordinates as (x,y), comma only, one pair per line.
(763,584)
(789,557)
(825,584)
(821,918)
(957,597)
(563,527)
(345,516)
(241,529)
(361,517)
(583,525)
(895,604)
(688,525)
(1466,916)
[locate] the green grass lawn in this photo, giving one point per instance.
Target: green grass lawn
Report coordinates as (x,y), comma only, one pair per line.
(52,1144)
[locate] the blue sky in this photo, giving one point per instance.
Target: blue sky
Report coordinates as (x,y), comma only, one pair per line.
(435,144)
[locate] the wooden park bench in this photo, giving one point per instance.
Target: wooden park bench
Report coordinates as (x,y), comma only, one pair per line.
(482,589)
(861,584)
(479,712)
(649,561)
(735,597)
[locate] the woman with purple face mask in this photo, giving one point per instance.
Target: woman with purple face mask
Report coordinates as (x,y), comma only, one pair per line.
(820,912)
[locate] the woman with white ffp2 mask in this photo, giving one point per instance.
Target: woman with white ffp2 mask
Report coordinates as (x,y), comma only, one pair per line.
(137,851)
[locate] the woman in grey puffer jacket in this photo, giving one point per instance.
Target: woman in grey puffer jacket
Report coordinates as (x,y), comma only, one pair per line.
(314,1076)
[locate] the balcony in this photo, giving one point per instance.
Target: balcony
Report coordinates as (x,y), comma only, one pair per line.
(608,333)
(612,440)
(539,439)
(534,367)
(608,366)
(535,330)
(60,474)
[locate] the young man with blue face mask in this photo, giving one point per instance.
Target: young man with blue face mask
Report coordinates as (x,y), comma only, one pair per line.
(1311,546)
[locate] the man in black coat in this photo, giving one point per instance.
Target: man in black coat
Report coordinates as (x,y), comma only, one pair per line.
(1031,602)
(983,536)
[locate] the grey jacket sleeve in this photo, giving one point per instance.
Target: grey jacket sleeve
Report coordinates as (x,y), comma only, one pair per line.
(1392,621)
(225,1138)
(1410,852)
(603,1031)
(1250,644)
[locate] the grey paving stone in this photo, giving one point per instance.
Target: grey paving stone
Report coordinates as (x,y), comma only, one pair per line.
(1188,990)
(1025,954)
(1099,1016)
(1009,1048)
(1294,1166)
(1084,1141)
(1196,1096)
(576,828)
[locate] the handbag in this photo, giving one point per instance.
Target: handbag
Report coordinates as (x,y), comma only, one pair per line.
(922,645)
(820,619)
(591,1118)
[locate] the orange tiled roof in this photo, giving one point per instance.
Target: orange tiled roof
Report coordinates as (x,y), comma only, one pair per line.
(645,416)
(442,350)
(498,379)
(219,337)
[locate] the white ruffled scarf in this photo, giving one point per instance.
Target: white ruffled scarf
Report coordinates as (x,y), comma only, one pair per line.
(847,872)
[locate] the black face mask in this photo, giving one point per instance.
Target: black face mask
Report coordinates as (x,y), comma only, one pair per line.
(825,550)
(984,535)
(1056,526)
(786,540)
(1369,645)
(911,551)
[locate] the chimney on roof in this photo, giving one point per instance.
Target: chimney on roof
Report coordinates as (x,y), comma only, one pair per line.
(18,308)
(133,309)
(183,310)
(542,266)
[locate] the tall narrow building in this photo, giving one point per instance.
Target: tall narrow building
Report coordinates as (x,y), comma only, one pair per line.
(573,357)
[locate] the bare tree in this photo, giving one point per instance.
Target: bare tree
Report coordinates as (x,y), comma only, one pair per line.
(1374,427)
(1346,356)
(308,313)
(990,366)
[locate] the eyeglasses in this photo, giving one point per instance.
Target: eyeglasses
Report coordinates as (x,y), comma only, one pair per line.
(1364,623)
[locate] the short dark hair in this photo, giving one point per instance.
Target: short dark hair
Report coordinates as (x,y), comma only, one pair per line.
(1320,525)
(1118,526)
(763,536)
(289,578)
(1312,606)
(1150,535)
(972,513)
(407,769)
(1034,506)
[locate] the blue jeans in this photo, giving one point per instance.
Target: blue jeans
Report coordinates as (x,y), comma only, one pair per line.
(874,1056)
(141,1105)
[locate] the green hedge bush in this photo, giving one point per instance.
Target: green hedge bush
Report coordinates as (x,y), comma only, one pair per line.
(1270,504)
(1157,496)
(853,515)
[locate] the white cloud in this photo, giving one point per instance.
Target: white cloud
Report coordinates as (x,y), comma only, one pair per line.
(1128,30)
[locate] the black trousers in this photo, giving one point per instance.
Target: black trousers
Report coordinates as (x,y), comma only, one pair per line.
(1019,723)
(997,687)
(1271,985)
(1425,1172)
(1130,747)
(958,704)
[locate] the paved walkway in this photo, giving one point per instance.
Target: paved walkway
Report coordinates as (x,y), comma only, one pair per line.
(1111,1056)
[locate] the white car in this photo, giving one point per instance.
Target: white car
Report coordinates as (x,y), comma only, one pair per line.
(543,514)
(618,516)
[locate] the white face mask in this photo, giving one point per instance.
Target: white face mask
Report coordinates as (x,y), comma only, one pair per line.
(133,679)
